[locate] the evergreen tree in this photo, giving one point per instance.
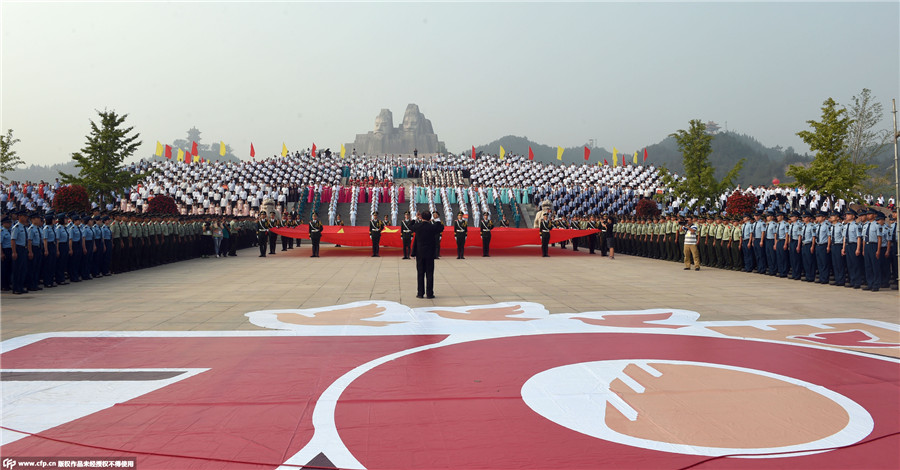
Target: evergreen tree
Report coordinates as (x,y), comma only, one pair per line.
(832,171)
(9,160)
(100,162)
(698,181)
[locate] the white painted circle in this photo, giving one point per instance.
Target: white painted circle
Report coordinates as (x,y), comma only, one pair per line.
(576,396)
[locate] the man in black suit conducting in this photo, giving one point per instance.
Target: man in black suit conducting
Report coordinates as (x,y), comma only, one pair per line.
(426,231)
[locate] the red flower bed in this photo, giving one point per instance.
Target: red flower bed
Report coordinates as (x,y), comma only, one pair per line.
(741,204)
(73,198)
(162,205)
(647,208)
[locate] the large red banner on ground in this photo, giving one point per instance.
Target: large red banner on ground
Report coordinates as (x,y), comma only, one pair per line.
(501,237)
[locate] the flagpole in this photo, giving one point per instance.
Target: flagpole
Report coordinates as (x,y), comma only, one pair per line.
(896,179)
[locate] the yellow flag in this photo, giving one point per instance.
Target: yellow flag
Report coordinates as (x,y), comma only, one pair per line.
(196,158)
(615,157)
(159,149)
(343,151)
(635,157)
(222,148)
(180,155)
(502,153)
(559,152)
(283,150)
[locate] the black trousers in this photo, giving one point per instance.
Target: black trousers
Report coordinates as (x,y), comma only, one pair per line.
(6,270)
(592,242)
(486,245)
(424,276)
(460,246)
(376,239)
(407,242)
(545,245)
(261,242)
(272,238)
(437,247)
(315,244)
(49,275)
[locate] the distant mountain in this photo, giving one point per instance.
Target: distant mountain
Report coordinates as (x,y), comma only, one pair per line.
(37,173)
(761,166)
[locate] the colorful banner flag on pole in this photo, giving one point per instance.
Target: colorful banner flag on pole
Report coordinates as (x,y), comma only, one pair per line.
(635,157)
(221,148)
(343,151)
(502,153)
(530,153)
(314,149)
(473,153)
(168,152)
(283,150)
(605,162)
(252,151)
(180,155)
(645,154)
(159,149)
(559,152)
(615,158)
(587,154)
(194,149)
(195,158)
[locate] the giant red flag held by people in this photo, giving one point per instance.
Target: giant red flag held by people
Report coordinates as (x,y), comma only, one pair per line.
(501,237)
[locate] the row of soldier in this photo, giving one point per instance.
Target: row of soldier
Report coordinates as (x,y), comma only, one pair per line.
(44,251)
(847,249)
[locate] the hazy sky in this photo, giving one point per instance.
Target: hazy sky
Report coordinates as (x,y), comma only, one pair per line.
(621,73)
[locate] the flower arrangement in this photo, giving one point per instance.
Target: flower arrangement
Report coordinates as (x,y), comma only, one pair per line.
(647,208)
(72,198)
(162,204)
(741,204)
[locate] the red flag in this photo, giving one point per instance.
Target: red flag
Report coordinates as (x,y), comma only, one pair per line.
(201,160)
(587,154)
(194,149)
(252,150)
(645,154)
(605,162)
(530,153)
(473,152)
(314,149)
(168,152)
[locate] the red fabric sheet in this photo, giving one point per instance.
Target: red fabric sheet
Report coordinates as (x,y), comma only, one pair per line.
(501,237)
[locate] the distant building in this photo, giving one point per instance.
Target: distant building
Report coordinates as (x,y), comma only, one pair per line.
(712,127)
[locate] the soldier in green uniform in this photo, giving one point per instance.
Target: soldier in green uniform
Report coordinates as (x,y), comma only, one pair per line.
(375,228)
(727,235)
(737,262)
(315,234)
(702,233)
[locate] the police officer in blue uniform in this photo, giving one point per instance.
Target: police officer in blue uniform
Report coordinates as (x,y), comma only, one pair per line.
(99,247)
(782,245)
(872,239)
(823,257)
(78,248)
(759,235)
(770,243)
(835,247)
(852,249)
(64,249)
(6,259)
(884,262)
(106,240)
(48,232)
(87,261)
(796,236)
(807,247)
(37,252)
(21,253)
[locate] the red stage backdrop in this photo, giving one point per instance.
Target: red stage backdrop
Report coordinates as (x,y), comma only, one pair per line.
(501,237)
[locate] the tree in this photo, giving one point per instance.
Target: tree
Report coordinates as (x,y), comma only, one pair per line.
(699,181)
(100,162)
(863,142)
(9,160)
(832,171)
